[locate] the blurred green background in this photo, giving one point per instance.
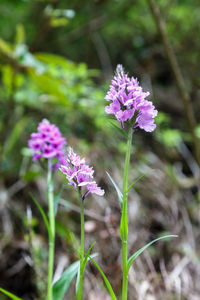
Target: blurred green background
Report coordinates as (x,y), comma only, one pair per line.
(56,62)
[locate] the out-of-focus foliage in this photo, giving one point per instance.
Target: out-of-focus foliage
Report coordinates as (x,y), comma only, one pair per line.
(56,59)
(43,84)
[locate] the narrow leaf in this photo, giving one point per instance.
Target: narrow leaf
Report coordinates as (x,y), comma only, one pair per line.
(136,254)
(130,187)
(84,265)
(119,193)
(78,279)
(42,213)
(87,254)
(10,295)
(60,287)
(119,129)
(62,284)
(109,287)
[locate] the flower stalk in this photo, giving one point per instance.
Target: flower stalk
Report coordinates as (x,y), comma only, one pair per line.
(80,176)
(51,230)
(82,251)
(124,219)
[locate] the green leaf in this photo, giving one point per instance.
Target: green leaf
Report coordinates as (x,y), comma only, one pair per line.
(136,254)
(60,287)
(42,213)
(84,264)
(5,47)
(15,136)
(78,279)
(72,69)
(119,129)
(130,187)
(12,296)
(56,22)
(20,34)
(87,254)
(109,287)
(51,85)
(49,58)
(7,78)
(119,193)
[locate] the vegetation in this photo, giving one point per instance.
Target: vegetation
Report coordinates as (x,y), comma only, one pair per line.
(56,62)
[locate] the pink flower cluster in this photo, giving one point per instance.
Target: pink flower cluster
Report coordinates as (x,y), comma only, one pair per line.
(47,142)
(128,99)
(79,174)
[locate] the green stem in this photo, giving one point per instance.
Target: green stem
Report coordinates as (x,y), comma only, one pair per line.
(124,221)
(125,271)
(51,231)
(82,253)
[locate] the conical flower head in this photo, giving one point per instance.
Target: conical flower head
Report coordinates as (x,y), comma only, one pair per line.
(79,174)
(128,101)
(47,142)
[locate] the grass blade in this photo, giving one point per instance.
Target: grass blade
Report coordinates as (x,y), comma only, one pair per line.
(109,287)
(137,253)
(130,187)
(42,213)
(84,265)
(119,129)
(12,296)
(87,254)
(119,193)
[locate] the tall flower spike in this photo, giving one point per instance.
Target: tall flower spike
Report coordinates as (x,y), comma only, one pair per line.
(128,99)
(47,142)
(80,175)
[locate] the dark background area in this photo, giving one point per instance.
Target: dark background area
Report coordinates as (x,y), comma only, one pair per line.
(56,62)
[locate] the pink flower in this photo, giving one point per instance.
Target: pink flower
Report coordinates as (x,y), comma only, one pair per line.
(80,175)
(129,99)
(47,142)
